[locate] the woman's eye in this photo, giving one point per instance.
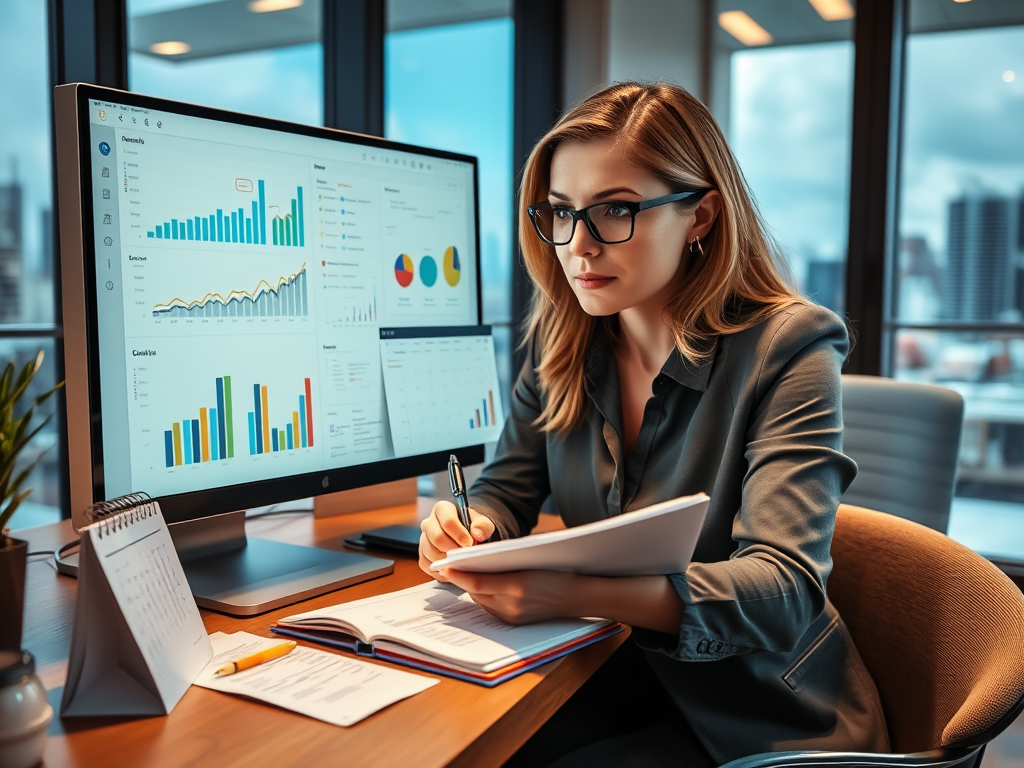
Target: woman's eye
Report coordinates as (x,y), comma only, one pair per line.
(561,212)
(617,211)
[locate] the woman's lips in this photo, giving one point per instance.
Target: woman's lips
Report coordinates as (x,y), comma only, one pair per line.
(591,280)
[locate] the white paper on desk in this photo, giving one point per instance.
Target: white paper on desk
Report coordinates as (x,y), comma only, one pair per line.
(318,684)
(653,541)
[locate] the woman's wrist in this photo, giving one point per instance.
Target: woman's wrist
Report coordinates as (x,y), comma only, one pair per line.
(650,602)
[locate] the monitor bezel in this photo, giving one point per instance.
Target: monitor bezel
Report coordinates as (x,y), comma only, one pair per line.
(204,503)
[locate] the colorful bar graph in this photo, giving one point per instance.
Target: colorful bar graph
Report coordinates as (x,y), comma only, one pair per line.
(487,404)
(206,438)
(293,435)
(246,224)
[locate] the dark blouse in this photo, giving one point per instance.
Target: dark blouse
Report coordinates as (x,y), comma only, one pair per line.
(758,427)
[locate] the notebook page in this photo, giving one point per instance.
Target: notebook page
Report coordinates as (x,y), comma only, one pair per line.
(444,622)
(145,575)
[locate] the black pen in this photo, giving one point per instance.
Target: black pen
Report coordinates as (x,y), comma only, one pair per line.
(458,484)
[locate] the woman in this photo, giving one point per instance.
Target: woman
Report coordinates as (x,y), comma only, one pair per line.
(668,357)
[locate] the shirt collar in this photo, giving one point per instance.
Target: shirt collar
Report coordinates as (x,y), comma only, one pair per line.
(600,364)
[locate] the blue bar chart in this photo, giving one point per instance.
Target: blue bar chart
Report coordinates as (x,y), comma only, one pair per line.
(245,224)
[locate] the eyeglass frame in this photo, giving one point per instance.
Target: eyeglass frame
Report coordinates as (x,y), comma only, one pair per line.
(633,207)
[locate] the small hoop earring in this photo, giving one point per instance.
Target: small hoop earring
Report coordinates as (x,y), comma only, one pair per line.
(699,250)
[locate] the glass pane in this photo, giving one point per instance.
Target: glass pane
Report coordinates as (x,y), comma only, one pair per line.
(962,180)
(26,197)
(782,90)
(960,261)
(450,87)
(43,505)
(260,57)
(987,369)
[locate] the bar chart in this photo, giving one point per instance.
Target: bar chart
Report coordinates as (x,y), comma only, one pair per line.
(243,224)
(296,434)
(487,409)
(209,437)
(286,297)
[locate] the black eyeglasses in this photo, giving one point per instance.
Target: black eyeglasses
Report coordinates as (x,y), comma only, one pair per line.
(609,223)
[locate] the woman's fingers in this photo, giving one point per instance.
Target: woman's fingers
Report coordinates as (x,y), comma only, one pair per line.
(482,527)
(442,528)
(447,517)
(442,532)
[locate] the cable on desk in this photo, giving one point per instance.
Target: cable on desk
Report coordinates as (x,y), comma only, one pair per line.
(60,557)
(46,552)
(272,510)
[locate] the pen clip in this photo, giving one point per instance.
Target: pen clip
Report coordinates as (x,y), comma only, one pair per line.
(455,478)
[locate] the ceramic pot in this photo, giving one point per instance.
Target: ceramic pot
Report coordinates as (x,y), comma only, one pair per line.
(25,714)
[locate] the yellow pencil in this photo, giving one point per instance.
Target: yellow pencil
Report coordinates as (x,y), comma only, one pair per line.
(259,657)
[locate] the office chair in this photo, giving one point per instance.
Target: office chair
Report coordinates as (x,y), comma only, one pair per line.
(905,439)
(940,629)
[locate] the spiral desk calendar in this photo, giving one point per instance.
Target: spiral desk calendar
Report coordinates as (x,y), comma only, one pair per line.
(138,641)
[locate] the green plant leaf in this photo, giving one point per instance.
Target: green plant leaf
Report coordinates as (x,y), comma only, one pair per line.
(5,382)
(8,512)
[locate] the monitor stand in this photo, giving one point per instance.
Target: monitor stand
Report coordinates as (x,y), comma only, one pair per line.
(239,576)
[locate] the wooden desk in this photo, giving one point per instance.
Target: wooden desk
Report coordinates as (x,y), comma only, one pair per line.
(454,723)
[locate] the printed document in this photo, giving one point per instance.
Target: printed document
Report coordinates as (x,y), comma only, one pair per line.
(325,686)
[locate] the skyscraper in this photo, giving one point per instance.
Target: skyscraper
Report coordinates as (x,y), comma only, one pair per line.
(826,283)
(981,268)
(11,251)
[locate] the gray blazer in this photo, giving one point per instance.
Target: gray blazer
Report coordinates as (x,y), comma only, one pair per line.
(762,661)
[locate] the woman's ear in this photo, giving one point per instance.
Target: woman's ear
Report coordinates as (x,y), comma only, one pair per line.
(705,214)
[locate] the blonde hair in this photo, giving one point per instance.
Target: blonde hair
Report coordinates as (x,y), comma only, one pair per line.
(736,284)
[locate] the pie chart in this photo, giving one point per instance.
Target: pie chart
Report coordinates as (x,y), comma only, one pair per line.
(452,266)
(428,271)
(403,270)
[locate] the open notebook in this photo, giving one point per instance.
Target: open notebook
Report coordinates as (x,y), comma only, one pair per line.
(437,628)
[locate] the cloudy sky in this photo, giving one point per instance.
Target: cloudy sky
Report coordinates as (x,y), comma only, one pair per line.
(963,118)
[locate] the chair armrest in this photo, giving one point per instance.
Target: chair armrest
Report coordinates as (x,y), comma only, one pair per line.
(946,757)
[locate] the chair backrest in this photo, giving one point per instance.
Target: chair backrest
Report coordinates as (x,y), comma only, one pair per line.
(939,627)
(905,439)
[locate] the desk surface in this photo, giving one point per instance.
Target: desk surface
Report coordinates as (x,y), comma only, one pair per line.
(454,723)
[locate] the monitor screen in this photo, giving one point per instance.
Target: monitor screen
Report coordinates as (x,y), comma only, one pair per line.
(271,310)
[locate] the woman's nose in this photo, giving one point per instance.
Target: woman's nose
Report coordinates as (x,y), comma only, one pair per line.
(583,243)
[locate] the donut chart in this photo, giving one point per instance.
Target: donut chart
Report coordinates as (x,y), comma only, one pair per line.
(428,271)
(452,266)
(404,270)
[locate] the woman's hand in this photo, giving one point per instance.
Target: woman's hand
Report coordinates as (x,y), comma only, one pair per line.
(521,597)
(442,532)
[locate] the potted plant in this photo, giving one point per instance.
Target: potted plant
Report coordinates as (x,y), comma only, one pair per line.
(16,431)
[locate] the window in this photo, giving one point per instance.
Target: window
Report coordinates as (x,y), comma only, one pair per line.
(957,316)
(782,91)
(26,235)
(449,86)
(263,57)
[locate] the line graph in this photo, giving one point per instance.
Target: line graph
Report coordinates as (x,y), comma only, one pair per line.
(287,297)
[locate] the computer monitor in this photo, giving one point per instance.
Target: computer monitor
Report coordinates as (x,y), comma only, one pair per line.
(257,311)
